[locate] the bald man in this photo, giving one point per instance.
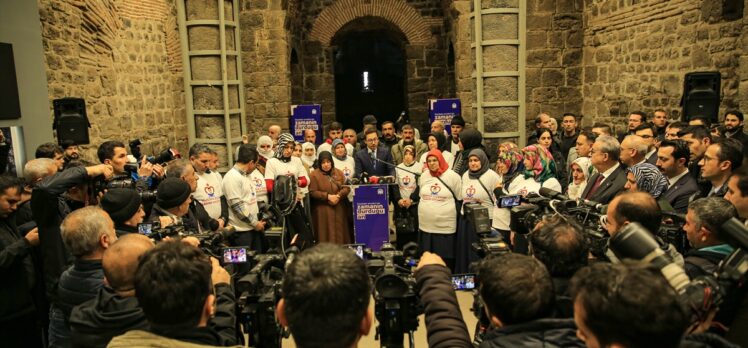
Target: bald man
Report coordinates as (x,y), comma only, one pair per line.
(115,309)
(437,127)
(274,132)
(33,172)
(633,150)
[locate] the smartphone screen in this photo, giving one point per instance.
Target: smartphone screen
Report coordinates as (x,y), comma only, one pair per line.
(463,281)
(235,255)
(145,228)
(358,249)
(509,201)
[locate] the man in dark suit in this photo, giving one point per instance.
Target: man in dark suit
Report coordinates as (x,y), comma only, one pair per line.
(365,158)
(647,133)
(610,177)
(672,160)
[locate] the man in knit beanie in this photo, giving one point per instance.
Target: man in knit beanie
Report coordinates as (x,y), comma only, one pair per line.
(125,208)
(172,203)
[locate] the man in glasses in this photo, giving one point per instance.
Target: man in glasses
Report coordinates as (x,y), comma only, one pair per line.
(647,133)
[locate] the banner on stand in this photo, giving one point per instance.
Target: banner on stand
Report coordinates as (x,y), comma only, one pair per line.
(444,110)
(371,216)
(305,117)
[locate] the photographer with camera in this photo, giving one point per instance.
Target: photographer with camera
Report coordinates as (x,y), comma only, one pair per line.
(517,292)
(638,207)
(51,201)
(173,204)
(619,306)
(33,172)
(242,199)
(114,153)
(186,297)
(561,246)
(326,293)
(125,208)
(704,217)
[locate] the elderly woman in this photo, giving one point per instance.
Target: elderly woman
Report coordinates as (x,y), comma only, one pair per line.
(405,197)
(265,149)
(439,190)
(437,141)
(342,159)
(477,187)
(580,172)
(645,177)
(328,194)
(508,166)
(308,154)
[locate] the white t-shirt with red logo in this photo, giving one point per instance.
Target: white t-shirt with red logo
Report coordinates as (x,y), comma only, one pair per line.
(406,181)
(258,182)
(209,193)
(473,192)
(293,167)
(437,210)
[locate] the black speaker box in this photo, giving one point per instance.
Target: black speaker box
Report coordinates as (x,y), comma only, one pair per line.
(71,121)
(701,95)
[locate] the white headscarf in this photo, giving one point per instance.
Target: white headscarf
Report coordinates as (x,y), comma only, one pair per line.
(265,140)
(308,160)
(575,190)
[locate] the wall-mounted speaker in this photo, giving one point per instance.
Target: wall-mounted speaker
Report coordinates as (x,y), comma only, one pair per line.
(71,122)
(701,95)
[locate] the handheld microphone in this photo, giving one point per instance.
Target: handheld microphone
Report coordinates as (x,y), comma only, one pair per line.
(552,194)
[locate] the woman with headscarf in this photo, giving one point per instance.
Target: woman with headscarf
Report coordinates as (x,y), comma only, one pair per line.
(469,139)
(265,149)
(477,187)
(308,154)
(439,193)
(405,197)
(580,173)
(546,140)
(328,195)
(645,177)
(540,170)
(283,163)
(342,159)
(508,166)
(437,141)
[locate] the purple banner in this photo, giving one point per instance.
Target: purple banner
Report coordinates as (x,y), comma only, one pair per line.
(444,110)
(305,117)
(370,216)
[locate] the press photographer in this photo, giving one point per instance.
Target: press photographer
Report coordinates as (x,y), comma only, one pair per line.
(53,199)
(704,217)
(114,153)
(125,208)
(326,292)
(518,295)
(197,217)
(186,297)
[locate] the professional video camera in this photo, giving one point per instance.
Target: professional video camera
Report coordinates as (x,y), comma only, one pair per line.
(396,302)
(260,291)
(213,243)
(156,232)
(167,155)
(586,214)
(270,214)
(702,294)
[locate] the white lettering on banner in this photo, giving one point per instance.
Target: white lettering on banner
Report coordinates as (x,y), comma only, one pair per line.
(445,118)
(300,125)
(368,209)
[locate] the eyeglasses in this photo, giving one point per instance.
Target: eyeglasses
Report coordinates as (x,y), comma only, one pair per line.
(371,140)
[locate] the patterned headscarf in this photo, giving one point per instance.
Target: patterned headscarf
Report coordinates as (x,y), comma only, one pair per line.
(649,179)
(265,140)
(543,165)
(283,139)
(511,157)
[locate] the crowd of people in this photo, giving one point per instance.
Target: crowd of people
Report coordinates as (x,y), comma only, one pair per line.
(83,271)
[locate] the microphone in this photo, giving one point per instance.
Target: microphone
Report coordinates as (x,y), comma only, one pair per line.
(385,162)
(601,208)
(552,194)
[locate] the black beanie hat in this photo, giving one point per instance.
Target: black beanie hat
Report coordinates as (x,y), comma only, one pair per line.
(172,192)
(458,120)
(120,203)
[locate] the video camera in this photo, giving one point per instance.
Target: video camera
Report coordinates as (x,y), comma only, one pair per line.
(397,304)
(165,156)
(701,294)
(586,214)
(260,291)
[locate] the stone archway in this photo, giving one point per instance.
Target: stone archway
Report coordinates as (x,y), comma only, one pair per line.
(398,12)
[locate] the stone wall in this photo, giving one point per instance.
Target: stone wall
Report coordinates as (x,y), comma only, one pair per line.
(636,55)
(123,58)
(266,63)
(554,57)
(420,21)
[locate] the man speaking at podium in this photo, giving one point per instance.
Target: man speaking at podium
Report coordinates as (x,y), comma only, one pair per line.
(374,159)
